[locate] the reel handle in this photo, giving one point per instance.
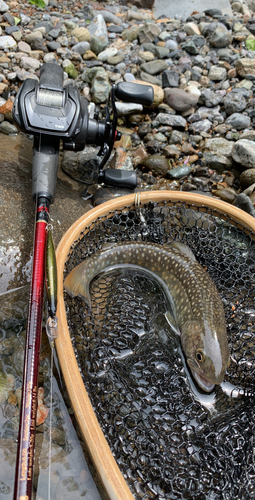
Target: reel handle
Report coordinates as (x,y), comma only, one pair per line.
(135,92)
(118,178)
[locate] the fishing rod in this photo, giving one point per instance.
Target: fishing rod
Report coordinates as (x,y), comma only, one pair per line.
(54,113)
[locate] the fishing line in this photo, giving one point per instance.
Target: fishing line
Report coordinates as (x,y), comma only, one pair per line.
(52,333)
(51,330)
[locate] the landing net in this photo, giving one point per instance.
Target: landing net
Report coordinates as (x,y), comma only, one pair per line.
(170,440)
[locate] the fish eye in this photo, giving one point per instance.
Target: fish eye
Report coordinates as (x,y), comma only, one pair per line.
(200,355)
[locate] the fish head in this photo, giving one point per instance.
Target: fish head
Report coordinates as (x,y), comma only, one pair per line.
(206,352)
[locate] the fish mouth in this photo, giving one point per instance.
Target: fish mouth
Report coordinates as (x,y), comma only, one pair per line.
(203,382)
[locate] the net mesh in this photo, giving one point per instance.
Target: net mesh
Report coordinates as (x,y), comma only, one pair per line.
(170,440)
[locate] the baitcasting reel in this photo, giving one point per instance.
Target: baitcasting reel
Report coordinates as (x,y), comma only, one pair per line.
(48,110)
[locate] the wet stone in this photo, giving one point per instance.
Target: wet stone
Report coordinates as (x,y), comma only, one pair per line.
(8,128)
(245,203)
(226,194)
(156,164)
(247,178)
(82,166)
(179,172)
(105,194)
(217,161)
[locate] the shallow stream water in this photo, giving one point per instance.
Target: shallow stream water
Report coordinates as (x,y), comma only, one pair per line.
(70,475)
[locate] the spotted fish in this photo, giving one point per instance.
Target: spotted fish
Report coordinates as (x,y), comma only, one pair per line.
(197,312)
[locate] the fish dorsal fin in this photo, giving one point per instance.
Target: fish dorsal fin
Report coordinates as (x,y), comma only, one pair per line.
(108,245)
(180,247)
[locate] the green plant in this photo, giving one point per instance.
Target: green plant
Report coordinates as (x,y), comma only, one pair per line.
(250,44)
(39,3)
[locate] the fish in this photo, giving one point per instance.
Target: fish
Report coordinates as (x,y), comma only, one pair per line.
(196,313)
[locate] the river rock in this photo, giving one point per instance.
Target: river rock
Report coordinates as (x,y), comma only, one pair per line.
(101,88)
(7,42)
(148,32)
(191,29)
(82,34)
(155,67)
(98,28)
(108,193)
(180,100)
(247,178)
(114,60)
(245,66)
(238,121)
(7,383)
(221,37)
(244,202)
(217,161)
(200,126)
(82,166)
(81,47)
(243,152)
(69,68)
(109,17)
(109,52)
(170,78)
(157,164)
(171,120)
(146,55)
(29,63)
(234,102)
(179,172)
(30,37)
(3,7)
(127,108)
(212,98)
(217,73)
(130,34)
(219,146)
(8,128)
(226,194)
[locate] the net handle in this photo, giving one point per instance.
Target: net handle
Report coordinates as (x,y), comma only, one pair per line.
(104,461)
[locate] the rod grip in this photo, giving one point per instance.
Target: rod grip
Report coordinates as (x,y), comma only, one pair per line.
(135,92)
(51,76)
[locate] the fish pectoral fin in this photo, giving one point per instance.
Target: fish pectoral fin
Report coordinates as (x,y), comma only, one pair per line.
(75,285)
(172,323)
(180,247)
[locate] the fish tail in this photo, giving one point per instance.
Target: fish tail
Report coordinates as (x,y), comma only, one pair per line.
(74,285)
